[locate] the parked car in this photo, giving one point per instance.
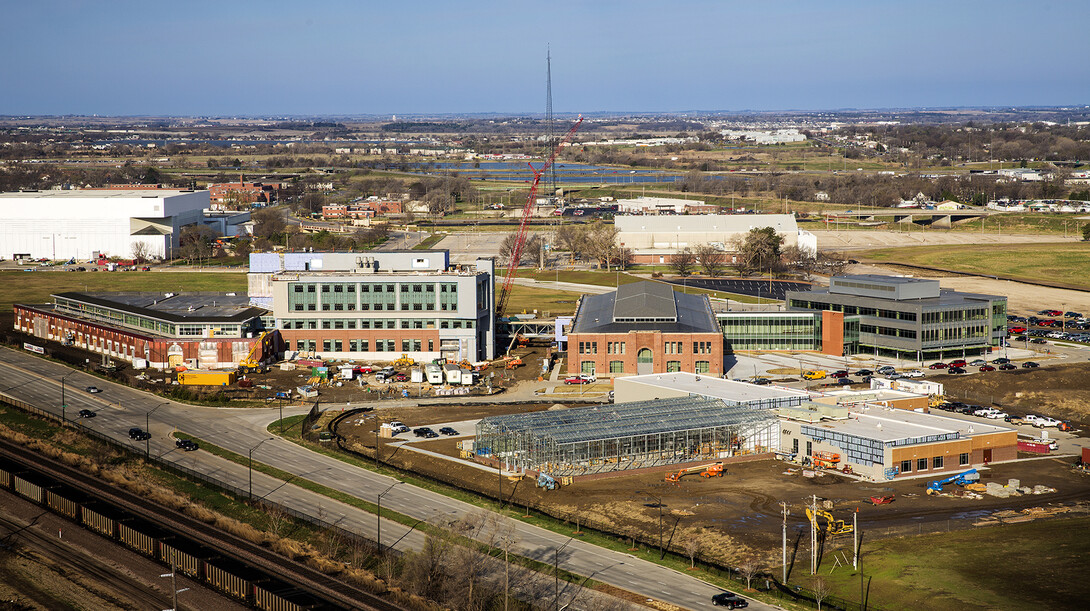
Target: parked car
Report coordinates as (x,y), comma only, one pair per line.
(958,363)
(1038,340)
(423,431)
(186,444)
(840,373)
(894,376)
(400,377)
(816,374)
(955,370)
(1007,367)
(996,415)
(864,372)
(1030,365)
(582,378)
(915,373)
(977,362)
(446,430)
(729,600)
(86,413)
(984,411)
(939,365)
(845,381)
(92,389)
(886,370)
(987,368)
(1000,361)
(1044,421)
(761,381)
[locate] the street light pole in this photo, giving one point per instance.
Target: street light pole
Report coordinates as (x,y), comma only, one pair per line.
(378,515)
(64,406)
(658,502)
(250,464)
(147,429)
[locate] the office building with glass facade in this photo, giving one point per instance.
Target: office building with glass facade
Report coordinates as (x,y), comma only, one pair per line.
(908,317)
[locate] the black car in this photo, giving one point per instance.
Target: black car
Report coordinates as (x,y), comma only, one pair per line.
(138,434)
(1029,365)
(446,430)
(845,381)
(92,389)
(729,600)
(955,370)
(964,409)
(1007,367)
(864,372)
(1001,361)
(430,434)
(425,432)
(86,413)
(186,444)
(1038,340)
(761,381)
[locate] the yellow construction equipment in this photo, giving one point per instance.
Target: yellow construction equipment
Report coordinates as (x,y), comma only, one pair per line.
(465,364)
(250,364)
(709,470)
(936,401)
(832,525)
(404,362)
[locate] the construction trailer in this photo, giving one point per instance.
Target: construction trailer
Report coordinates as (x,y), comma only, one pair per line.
(196,377)
(621,436)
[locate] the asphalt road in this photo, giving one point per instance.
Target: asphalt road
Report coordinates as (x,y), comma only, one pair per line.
(243,431)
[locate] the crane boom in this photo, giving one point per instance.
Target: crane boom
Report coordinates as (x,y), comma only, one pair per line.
(527,211)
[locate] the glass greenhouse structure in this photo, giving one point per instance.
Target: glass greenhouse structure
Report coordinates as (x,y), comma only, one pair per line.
(633,435)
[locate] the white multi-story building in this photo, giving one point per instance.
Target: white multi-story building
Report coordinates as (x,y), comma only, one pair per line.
(378,305)
(74,224)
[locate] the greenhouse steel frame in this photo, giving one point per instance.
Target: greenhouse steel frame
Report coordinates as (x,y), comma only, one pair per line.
(628,436)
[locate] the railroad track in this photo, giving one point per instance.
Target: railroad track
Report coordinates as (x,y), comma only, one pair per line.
(337,593)
(64,555)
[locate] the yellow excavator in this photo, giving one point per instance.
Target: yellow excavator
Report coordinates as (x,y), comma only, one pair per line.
(709,470)
(832,525)
(250,364)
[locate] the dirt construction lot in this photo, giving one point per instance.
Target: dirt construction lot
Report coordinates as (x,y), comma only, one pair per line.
(729,517)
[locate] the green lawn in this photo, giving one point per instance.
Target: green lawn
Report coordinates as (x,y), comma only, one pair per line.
(1068,263)
(37,286)
(1036,565)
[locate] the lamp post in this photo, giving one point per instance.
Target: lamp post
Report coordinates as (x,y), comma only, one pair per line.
(556,573)
(378,514)
(250,464)
(147,429)
(658,502)
(64,406)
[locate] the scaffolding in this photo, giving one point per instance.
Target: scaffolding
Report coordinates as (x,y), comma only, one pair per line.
(634,435)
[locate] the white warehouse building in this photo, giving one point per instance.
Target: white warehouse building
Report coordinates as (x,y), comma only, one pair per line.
(67,224)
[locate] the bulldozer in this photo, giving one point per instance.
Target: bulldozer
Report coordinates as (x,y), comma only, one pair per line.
(709,470)
(404,362)
(832,525)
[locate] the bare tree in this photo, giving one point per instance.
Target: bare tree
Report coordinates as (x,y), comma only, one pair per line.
(140,251)
(749,568)
(821,590)
(600,242)
(276,518)
(711,259)
(570,238)
(683,261)
(833,263)
(531,248)
(800,260)
(692,548)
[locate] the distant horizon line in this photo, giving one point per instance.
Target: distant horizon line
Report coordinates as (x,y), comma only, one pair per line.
(418,115)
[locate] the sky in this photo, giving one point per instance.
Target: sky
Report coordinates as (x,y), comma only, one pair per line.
(360,57)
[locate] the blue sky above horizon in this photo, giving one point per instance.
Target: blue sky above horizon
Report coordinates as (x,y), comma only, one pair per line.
(429,57)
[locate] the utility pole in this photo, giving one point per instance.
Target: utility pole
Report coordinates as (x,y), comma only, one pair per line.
(784,505)
(855,539)
(813,537)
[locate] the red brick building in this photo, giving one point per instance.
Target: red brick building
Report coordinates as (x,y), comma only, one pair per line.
(219,332)
(241,194)
(645,327)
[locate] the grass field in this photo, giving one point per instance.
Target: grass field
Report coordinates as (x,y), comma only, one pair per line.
(37,286)
(526,299)
(1036,565)
(1066,263)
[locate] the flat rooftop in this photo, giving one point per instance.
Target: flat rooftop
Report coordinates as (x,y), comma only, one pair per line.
(95,193)
(711,386)
(174,307)
(890,425)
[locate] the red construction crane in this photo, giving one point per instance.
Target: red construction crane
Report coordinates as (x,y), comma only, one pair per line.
(527,211)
